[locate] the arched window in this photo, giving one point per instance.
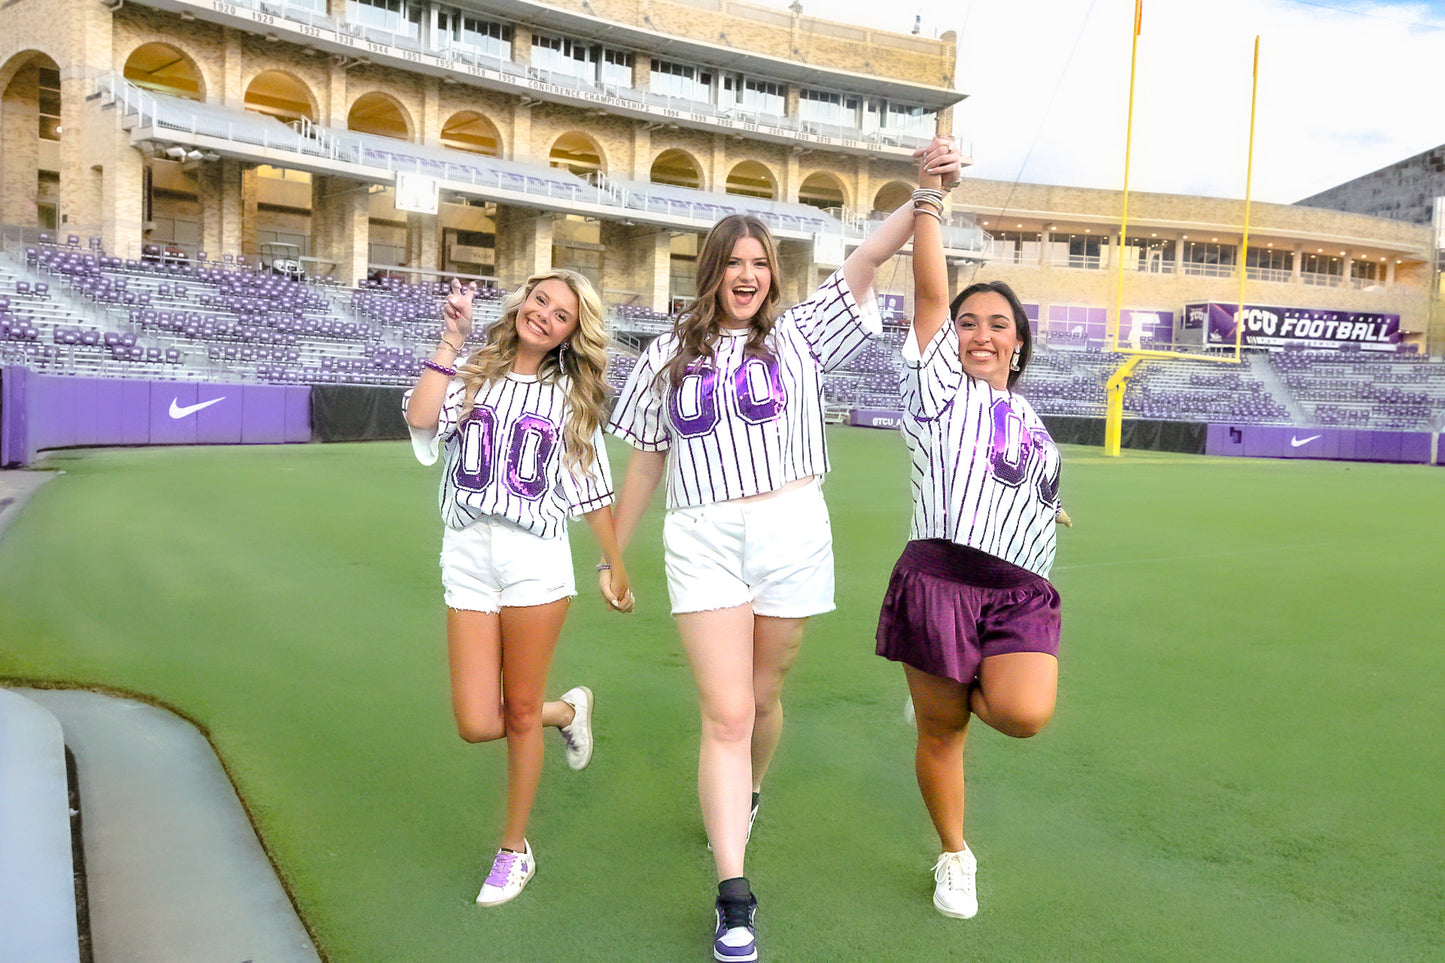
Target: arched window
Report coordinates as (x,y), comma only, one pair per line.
(822,190)
(577,153)
(676,167)
(30,104)
(470,131)
(378,113)
(280,95)
(752,179)
(891,196)
(164,69)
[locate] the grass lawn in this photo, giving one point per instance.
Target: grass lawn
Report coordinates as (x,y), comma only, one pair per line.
(1245,763)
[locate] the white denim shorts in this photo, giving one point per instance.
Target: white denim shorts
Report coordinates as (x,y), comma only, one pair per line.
(492,563)
(775,553)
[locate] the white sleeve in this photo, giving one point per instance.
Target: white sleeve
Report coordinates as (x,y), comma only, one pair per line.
(426,442)
(931,378)
(835,326)
(640,415)
(593,490)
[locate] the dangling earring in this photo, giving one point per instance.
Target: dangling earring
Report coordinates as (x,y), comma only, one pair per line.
(562,355)
(1013,364)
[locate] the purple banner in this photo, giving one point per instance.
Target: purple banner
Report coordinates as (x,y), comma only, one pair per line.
(1137,327)
(875,418)
(55,411)
(1342,444)
(1272,327)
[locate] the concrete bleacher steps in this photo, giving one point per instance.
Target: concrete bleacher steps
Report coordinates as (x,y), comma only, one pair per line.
(37,878)
(173,868)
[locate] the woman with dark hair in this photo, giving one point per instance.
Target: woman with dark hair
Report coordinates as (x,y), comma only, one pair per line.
(729,407)
(969,609)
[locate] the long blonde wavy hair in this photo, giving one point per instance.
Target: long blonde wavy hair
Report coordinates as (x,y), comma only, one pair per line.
(697,324)
(583,363)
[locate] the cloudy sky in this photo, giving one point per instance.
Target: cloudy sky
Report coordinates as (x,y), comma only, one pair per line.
(1345,88)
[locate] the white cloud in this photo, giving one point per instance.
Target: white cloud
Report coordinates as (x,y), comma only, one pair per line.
(1344,88)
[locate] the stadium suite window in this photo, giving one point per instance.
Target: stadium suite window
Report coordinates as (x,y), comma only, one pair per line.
(682,80)
(1363,270)
(1322,270)
(1209,259)
(563,55)
(473,33)
(1149,255)
(401,17)
(1084,251)
(754,96)
(829,107)
(1014,247)
(908,119)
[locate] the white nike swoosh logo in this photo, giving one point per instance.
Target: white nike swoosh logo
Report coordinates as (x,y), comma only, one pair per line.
(180,411)
(1295,441)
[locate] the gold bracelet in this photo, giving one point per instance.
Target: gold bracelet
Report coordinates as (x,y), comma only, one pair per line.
(446,343)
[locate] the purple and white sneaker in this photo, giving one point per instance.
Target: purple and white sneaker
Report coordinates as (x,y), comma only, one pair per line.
(510,872)
(735,940)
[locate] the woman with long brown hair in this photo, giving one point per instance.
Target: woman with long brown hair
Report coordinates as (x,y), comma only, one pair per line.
(728,406)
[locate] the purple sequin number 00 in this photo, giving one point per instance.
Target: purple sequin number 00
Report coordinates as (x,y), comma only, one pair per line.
(1014,447)
(528,450)
(757,386)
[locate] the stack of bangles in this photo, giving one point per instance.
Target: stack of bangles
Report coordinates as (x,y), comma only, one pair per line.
(926,200)
(441,368)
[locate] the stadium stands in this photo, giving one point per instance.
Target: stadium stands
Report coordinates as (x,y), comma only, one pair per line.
(68,307)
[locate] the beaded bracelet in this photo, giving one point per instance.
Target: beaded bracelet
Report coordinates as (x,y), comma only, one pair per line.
(440,368)
(604,567)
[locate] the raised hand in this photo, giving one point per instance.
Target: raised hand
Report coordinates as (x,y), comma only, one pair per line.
(940,165)
(457,310)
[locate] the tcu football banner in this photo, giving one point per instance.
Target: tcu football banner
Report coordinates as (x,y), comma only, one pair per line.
(1266,327)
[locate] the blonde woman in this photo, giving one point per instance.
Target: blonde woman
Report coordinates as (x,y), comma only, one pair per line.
(519,426)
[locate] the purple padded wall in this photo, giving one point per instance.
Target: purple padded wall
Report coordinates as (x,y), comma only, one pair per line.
(52,411)
(1345,444)
(875,418)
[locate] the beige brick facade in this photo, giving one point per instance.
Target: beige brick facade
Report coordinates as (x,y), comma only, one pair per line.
(96,179)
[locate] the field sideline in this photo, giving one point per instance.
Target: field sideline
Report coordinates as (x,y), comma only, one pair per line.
(1245,763)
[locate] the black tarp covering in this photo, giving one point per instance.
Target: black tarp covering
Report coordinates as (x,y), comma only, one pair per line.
(1181,436)
(356,413)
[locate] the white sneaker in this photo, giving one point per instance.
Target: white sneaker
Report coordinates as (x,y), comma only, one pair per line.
(510,872)
(955,893)
(578,735)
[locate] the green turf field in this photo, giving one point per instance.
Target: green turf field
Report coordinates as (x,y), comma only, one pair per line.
(1245,764)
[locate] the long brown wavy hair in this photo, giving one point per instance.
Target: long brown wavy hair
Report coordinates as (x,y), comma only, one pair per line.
(697,326)
(583,363)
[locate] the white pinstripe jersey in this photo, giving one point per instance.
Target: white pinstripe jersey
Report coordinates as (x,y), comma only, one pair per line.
(742,426)
(506,458)
(985,471)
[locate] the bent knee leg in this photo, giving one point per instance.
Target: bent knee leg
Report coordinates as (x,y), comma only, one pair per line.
(1022,722)
(480,728)
(522,715)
